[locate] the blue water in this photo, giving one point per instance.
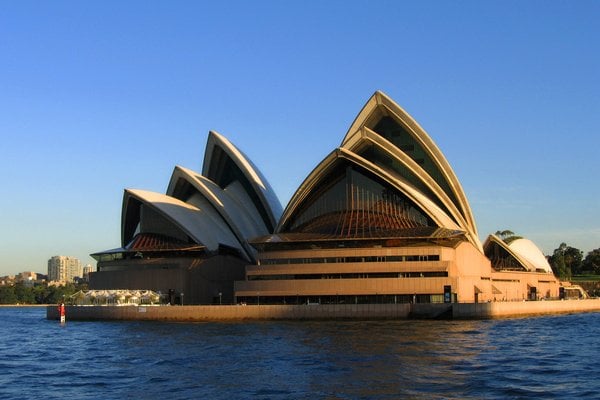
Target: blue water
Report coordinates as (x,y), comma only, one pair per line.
(547,358)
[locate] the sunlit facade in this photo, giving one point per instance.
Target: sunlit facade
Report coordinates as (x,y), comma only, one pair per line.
(192,243)
(381,219)
(64,269)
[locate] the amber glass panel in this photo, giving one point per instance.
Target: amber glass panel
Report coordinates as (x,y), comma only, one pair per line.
(501,259)
(352,202)
(380,158)
(395,133)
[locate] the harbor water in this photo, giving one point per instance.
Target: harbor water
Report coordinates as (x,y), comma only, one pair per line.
(550,357)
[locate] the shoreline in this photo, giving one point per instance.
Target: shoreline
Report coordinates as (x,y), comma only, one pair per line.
(451,311)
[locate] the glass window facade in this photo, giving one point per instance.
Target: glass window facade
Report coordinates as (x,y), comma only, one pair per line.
(351,275)
(381,158)
(502,259)
(346,299)
(352,202)
(358,259)
(394,132)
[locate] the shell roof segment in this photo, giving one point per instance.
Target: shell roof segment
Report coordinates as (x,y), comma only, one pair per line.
(523,251)
(387,176)
(224,164)
(385,140)
(528,251)
(150,212)
(388,120)
(348,192)
(220,211)
(242,219)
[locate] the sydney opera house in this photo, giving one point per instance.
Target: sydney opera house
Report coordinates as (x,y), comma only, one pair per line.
(381,219)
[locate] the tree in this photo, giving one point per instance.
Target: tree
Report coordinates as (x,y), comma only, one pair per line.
(24,294)
(7,295)
(566,261)
(38,294)
(507,236)
(56,294)
(574,260)
(591,263)
(557,262)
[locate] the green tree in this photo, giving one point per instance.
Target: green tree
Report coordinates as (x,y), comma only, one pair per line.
(40,293)
(7,295)
(24,294)
(591,263)
(507,236)
(574,260)
(56,294)
(566,261)
(557,262)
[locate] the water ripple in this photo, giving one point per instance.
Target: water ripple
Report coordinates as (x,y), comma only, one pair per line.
(546,357)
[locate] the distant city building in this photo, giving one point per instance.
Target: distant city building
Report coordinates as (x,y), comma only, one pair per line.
(86,272)
(27,278)
(64,269)
(7,280)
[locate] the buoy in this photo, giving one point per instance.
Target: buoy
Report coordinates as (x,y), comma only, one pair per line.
(61,312)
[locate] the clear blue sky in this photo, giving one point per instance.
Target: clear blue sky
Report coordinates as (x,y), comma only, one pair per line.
(96,97)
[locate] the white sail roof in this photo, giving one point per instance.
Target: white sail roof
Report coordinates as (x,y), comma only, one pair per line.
(225,164)
(204,226)
(527,250)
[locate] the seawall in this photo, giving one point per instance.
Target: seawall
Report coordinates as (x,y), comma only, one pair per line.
(326,311)
(525,308)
